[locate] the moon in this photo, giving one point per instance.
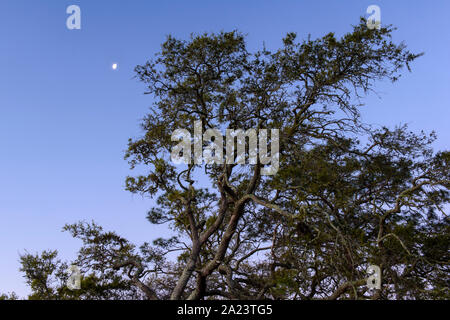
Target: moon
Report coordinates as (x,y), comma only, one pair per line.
(114,66)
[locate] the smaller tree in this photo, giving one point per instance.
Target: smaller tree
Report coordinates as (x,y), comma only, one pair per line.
(9,296)
(47,275)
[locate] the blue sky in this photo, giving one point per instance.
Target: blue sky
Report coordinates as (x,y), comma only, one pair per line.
(66,116)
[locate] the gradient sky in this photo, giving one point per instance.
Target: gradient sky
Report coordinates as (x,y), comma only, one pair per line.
(66,116)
